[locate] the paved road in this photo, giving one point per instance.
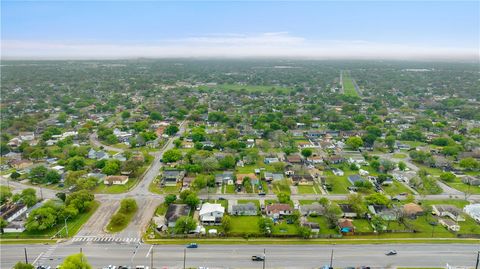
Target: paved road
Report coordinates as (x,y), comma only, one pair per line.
(238,256)
(94,141)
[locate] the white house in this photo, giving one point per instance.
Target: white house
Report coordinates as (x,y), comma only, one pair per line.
(116,180)
(211,214)
(473,211)
(450,224)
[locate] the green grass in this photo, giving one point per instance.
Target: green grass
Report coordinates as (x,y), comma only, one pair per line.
(396,188)
(255,202)
(248,88)
(459,185)
(26,241)
(285,229)
(306,202)
(362,225)
(230,189)
(73,226)
(339,184)
(399,155)
(348,87)
(281,186)
(161,209)
(155,188)
(242,225)
(322,221)
(117,228)
(306,189)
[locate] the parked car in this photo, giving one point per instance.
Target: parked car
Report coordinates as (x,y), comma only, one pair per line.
(258,258)
(262,193)
(192,245)
(391,253)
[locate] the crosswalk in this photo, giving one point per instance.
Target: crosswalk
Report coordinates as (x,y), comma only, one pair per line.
(43,258)
(106,239)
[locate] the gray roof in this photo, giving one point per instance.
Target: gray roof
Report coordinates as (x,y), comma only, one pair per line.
(244,207)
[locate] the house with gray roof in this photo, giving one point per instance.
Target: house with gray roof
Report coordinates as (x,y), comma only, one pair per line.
(248,209)
(314,208)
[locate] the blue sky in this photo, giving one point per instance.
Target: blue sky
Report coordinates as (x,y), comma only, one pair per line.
(317,28)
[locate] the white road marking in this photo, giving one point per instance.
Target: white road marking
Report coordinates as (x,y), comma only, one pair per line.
(38,257)
(148,253)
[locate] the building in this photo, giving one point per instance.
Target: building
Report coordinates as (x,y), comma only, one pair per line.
(450,225)
(172,177)
(174,212)
(11,211)
(355,178)
(224,178)
(248,209)
(277,211)
(211,214)
(20,164)
(346,226)
(473,211)
(448,211)
(314,208)
(412,210)
(115,180)
(347,211)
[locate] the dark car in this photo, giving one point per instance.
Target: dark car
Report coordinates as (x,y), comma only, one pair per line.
(258,258)
(262,193)
(192,245)
(391,253)
(221,199)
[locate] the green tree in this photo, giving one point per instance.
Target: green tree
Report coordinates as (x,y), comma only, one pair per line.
(378,223)
(184,225)
(357,203)
(170,199)
(126,114)
(81,200)
(28,197)
(112,167)
(118,219)
(5,194)
(390,142)
(402,166)
(171,130)
(171,155)
(154,115)
(226,223)
(265,225)
(76,261)
(192,200)
(448,176)
(21,265)
(306,152)
(378,199)
(76,163)
(128,205)
(469,164)
(15,175)
(52,176)
(3,224)
(304,232)
(283,197)
(41,219)
(354,142)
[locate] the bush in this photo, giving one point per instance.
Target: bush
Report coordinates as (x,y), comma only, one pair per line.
(118,219)
(128,205)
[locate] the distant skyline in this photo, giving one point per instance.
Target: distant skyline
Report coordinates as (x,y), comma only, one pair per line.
(413,30)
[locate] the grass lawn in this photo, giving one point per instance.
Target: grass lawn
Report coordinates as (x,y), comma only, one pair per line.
(102,188)
(306,202)
(285,229)
(161,209)
(459,185)
(230,189)
(362,225)
(396,188)
(255,202)
(348,87)
(458,203)
(155,188)
(73,226)
(244,225)
(306,189)
(117,228)
(339,184)
(399,155)
(281,186)
(322,221)
(413,144)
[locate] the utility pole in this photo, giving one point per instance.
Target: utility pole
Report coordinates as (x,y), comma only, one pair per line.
(41,193)
(264,258)
(184,257)
(26,257)
(151,257)
(66,227)
(478,260)
(331,259)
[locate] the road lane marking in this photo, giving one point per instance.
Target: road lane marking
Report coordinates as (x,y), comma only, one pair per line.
(148,253)
(38,257)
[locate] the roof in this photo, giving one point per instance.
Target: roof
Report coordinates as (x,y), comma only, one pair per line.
(412,209)
(175,211)
(116,178)
(346,208)
(249,175)
(345,223)
(295,158)
(278,207)
(244,207)
(209,208)
(447,208)
(355,178)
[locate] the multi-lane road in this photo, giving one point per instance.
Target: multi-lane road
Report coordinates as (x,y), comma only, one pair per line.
(239,256)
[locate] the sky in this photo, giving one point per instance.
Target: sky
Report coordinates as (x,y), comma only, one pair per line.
(431,30)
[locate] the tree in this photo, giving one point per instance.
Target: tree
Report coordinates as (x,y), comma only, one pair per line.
(125,114)
(52,176)
(357,203)
(41,219)
(184,194)
(228,162)
(354,142)
(76,261)
(154,115)
(192,200)
(226,223)
(307,152)
(448,176)
(5,194)
(128,205)
(171,129)
(81,200)
(184,225)
(469,164)
(3,224)
(15,175)
(112,167)
(378,199)
(171,155)
(390,142)
(21,265)
(265,225)
(61,195)
(28,197)
(402,165)
(332,211)
(170,199)
(304,232)
(76,163)
(283,198)
(378,223)
(37,174)
(118,219)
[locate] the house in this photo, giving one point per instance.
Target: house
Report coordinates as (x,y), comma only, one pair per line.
(271,160)
(188,145)
(224,178)
(172,177)
(211,214)
(412,210)
(11,211)
(347,211)
(470,180)
(241,178)
(382,211)
(450,224)
(302,180)
(346,226)
(313,226)
(315,159)
(187,181)
(473,211)
(174,212)
(311,209)
(277,211)
(98,155)
(20,164)
(115,180)
(448,211)
(272,176)
(16,226)
(294,159)
(337,172)
(334,159)
(363,172)
(119,156)
(248,209)
(26,136)
(355,178)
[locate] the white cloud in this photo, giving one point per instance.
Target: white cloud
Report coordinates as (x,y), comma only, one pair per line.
(278,44)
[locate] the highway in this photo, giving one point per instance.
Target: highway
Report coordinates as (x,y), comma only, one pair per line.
(239,256)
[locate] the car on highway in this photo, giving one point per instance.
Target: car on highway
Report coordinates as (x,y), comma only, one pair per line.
(262,193)
(258,258)
(391,253)
(192,245)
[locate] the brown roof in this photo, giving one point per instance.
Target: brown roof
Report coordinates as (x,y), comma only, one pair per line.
(295,158)
(278,207)
(412,209)
(112,179)
(249,175)
(343,223)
